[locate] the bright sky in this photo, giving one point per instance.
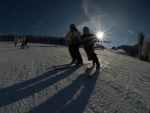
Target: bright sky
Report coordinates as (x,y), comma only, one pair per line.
(120,20)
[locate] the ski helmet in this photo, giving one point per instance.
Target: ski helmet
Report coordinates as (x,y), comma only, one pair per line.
(86,29)
(72,26)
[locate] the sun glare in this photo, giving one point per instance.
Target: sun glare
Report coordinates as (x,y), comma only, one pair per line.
(100,35)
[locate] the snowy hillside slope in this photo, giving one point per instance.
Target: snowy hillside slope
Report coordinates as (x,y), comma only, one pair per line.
(29,84)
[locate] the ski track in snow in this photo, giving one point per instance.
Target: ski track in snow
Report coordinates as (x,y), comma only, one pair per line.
(29,84)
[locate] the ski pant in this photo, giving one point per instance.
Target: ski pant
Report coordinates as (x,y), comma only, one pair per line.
(26,45)
(22,46)
(92,55)
(74,52)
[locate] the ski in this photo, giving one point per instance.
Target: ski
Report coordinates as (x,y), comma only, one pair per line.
(68,65)
(64,67)
(59,66)
(89,67)
(93,71)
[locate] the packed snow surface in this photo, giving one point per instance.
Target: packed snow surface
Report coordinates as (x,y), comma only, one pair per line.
(28,83)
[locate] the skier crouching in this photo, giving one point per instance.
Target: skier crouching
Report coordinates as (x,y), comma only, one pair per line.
(88,39)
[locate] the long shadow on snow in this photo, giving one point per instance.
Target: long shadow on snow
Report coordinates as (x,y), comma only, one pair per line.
(21,85)
(72,99)
(25,89)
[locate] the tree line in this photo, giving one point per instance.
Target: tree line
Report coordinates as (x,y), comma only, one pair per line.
(143,48)
(33,39)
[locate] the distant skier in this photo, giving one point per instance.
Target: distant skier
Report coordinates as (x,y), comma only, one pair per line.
(15,41)
(88,40)
(26,42)
(73,37)
(22,42)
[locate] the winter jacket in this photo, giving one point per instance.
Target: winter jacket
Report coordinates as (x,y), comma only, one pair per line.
(73,36)
(88,41)
(23,40)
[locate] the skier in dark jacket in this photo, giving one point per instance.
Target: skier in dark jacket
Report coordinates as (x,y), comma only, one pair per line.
(88,40)
(73,37)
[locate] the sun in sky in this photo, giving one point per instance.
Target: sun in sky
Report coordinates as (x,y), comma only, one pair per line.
(100,35)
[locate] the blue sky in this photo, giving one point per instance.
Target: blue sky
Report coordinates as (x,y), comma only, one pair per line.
(120,20)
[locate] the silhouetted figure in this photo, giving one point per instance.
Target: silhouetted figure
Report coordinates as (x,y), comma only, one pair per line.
(73,37)
(23,43)
(26,42)
(88,41)
(15,41)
